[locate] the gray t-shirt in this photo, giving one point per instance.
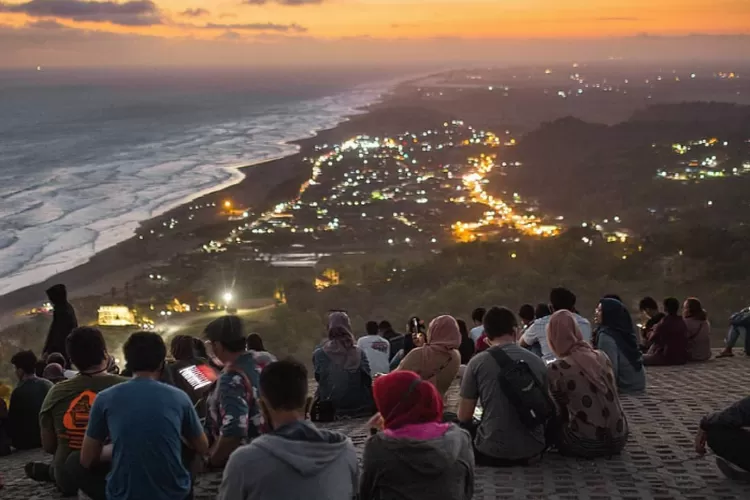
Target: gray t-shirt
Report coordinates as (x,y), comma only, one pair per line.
(501,433)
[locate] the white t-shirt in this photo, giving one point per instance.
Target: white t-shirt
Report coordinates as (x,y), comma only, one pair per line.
(476,332)
(537,332)
(377,349)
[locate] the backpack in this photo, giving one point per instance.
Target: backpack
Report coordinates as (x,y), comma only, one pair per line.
(524,390)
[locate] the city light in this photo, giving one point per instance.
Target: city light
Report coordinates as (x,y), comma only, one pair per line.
(228,297)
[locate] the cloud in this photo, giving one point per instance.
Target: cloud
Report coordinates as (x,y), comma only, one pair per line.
(46,24)
(280,28)
(131,13)
(229,36)
(292,3)
(194,13)
(618,19)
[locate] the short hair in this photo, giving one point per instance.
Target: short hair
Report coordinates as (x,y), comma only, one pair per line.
(671,306)
(145,352)
(86,347)
(25,361)
(236,345)
(283,384)
(499,321)
(527,312)
(542,310)
(56,357)
(647,303)
(478,314)
(372,328)
(181,347)
(562,299)
(255,342)
(385,325)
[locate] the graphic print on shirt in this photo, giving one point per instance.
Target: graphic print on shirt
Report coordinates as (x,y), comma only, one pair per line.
(76,419)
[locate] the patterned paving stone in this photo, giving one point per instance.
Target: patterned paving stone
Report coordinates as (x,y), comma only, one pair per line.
(658,464)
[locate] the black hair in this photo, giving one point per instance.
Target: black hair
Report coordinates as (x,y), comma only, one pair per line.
(647,303)
(478,314)
(227,326)
(613,296)
(462,328)
(372,328)
(542,310)
(86,347)
(56,357)
(416,325)
(527,312)
(145,352)
(200,348)
(562,299)
(255,343)
(499,321)
(181,347)
(25,361)
(283,384)
(671,306)
(385,326)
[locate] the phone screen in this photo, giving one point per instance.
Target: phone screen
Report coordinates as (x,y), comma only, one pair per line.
(198,376)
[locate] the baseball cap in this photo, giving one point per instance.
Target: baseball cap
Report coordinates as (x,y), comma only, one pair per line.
(225,329)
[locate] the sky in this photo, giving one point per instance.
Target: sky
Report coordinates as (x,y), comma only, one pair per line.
(309,32)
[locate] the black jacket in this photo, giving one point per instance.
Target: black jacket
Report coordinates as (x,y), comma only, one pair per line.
(734,417)
(63,321)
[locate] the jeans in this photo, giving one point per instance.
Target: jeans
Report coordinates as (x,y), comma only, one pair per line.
(730,444)
(93,481)
(486,460)
(734,335)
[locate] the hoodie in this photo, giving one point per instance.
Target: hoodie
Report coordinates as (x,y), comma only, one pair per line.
(63,321)
(397,469)
(295,462)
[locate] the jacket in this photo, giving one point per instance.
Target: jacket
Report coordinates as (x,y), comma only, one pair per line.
(350,391)
(295,462)
(699,339)
(401,469)
(629,380)
(670,340)
(63,321)
(734,417)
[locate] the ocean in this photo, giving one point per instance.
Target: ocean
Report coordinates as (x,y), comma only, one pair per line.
(86,155)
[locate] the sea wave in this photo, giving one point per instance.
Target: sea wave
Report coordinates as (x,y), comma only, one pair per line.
(52,220)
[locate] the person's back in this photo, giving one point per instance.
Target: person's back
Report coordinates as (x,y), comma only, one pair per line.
(376,348)
(64,321)
(698,339)
(23,415)
(628,378)
(395,339)
(670,340)
(347,388)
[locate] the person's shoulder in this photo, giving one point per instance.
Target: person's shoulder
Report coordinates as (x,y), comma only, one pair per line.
(581,320)
(246,455)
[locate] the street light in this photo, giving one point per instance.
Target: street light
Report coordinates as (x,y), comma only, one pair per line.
(228,297)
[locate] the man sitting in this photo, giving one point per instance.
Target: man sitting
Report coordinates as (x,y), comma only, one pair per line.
(535,336)
(651,315)
(376,348)
(296,460)
(725,433)
(147,422)
(501,438)
(25,402)
(477,316)
(669,340)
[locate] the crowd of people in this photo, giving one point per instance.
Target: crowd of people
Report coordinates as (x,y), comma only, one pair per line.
(549,382)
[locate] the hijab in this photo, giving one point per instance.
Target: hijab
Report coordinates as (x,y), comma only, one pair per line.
(443,337)
(403,398)
(617,321)
(566,341)
(340,345)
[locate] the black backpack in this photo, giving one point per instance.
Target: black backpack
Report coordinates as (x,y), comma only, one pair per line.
(524,390)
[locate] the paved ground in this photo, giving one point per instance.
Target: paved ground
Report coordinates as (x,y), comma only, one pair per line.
(659,462)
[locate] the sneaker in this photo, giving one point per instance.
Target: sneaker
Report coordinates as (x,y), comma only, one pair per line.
(38,471)
(732,471)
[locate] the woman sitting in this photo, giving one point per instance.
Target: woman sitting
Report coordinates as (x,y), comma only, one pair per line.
(698,330)
(415,456)
(616,336)
(342,371)
(591,421)
(438,361)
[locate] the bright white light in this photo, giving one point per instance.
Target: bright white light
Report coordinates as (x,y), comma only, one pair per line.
(228,297)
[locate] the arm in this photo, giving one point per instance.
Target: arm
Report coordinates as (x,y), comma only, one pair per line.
(469,394)
(235,412)
(530,336)
(46,424)
(233,482)
(317,366)
(369,472)
(736,416)
(192,430)
(608,346)
(96,433)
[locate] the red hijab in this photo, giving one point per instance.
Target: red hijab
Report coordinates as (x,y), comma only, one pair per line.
(403,399)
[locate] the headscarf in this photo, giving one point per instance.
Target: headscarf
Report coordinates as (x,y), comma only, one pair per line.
(443,337)
(617,321)
(404,399)
(340,345)
(566,341)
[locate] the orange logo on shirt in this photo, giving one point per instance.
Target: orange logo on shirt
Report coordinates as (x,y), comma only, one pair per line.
(76,418)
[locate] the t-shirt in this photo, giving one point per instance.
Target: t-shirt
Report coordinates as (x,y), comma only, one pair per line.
(536,333)
(233,408)
(476,332)
(377,349)
(501,434)
(66,410)
(145,420)
(23,414)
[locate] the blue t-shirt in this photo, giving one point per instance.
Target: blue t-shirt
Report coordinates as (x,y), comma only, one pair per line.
(145,419)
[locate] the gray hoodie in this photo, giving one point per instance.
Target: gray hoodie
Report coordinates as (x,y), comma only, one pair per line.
(297,461)
(405,469)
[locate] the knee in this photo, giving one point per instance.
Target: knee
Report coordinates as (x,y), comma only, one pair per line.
(718,438)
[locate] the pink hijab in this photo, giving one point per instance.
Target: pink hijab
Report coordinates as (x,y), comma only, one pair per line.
(566,341)
(443,337)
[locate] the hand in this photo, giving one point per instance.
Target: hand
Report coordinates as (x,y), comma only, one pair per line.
(376,422)
(700,442)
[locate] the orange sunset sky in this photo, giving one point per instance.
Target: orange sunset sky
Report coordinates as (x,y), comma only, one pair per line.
(79,32)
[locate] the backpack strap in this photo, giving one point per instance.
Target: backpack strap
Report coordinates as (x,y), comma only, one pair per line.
(501,358)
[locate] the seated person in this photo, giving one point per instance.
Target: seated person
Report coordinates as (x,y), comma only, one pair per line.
(415,455)
(668,342)
(65,413)
(535,336)
(726,434)
(54,372)
(616,337)
(477,316)
(58,358)
(739,324)
(651,316)
(262,357)
(295,460)
(466,349)
(25,402)
(438,361)
(376,348)
(342,371)
(698,331)
(190,372)
(501,438)
(527,315)
(395,339)
(591,422)
(147,422)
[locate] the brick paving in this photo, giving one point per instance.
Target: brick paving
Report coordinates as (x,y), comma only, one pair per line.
(658,464)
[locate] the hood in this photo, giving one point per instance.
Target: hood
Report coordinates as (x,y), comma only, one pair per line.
(57,294)
(428,457)
(303,447)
